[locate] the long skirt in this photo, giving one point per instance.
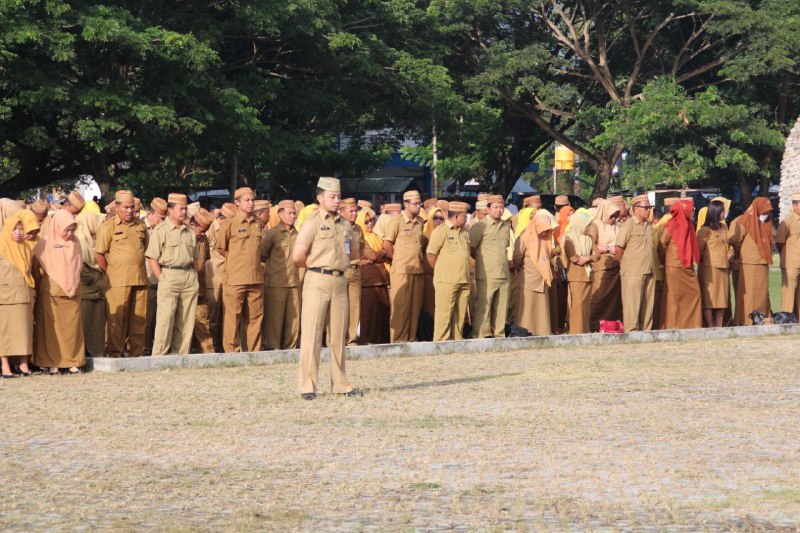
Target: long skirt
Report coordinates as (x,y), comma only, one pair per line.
(375,309)
(580,309)
(680,301)
(754,288)
(59,331)
(16,329)
(93,314)
(715,288)
(533,311)
(606,296)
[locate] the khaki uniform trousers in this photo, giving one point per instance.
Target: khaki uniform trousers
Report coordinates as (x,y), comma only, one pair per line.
(405,296)
(491,308)
(324,307)
(234,298)
(202,340)
(452,300)
(126,311)
(282,329)
(354,296)
(790,296)
(177,308)
(93,315)
(214,301)
(152,306)
(638,299)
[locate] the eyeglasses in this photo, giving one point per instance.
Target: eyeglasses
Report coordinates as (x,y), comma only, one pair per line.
(415,204)
(648,207)
(438,219)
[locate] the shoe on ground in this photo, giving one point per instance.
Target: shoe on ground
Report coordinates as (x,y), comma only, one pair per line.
(308,395)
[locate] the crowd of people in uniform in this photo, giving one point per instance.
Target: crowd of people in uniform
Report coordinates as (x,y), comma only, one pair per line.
(177,278)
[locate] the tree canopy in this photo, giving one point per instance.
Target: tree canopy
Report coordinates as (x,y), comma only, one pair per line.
(157,95)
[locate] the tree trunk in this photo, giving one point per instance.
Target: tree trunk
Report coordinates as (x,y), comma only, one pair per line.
(603,174)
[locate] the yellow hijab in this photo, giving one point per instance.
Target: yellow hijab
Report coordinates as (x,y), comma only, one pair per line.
(16,252)
(523,219)
(304,213)
(29,223)
(429,227)
(86,232)
(370,238)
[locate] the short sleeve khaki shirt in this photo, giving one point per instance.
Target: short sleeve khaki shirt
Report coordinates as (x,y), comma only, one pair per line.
(491,240)
(327,237)
(171,245)
(788,236)
(451,246)
(124,244)
(409,244)
(636,238)
(276,250)
(241,238)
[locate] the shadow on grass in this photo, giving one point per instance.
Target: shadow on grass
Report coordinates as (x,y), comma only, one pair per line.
(447,382)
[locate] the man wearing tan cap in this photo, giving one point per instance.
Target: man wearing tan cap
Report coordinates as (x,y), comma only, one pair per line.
(364,204)
(156,213)
(490,241)
(243,281)
(281,281)
(200,223)
(788,241)
(562,200)
(349,211)
(120,246)
(448,253)
(637,268)
(324,248)
(172,256)
(405,245)
(214,272)
(261,212)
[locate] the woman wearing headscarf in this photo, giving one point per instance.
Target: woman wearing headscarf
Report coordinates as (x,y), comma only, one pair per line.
(679,252)
(714,256)
(93,301)
(30,221)
(751,236)
(560,282)
(59,328)
(606,285)
(375,305)
(7,208)
(577,248)
(16,296)
(532,252)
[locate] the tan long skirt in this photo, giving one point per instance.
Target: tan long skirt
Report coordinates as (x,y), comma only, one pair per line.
(754,287)
(580,309)
(533,311)
(59,331)
(16,329)
(715,288)
(375,310)
(606,296)
(680,301)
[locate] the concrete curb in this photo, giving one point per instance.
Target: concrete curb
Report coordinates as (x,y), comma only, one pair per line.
(415,349)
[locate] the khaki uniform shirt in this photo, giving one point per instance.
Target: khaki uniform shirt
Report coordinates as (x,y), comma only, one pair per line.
(713,247)
(13,288)
(451,246)
(745,246)
(203,254)
(327,237)
(124,245)
(409,244)
(491,240)
(171,245)
(241,237)
(151,278)
(636,238)
(215,267)
(788,236)
(276,250)
(574,272)
(600,260)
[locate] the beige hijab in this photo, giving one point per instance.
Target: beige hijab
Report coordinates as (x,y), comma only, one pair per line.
(60,258)
(606,232)
(539,248)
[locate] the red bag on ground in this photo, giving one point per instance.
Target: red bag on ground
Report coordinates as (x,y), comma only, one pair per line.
(611,326)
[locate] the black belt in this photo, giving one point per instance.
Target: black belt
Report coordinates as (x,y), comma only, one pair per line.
(186,267)
(334,273)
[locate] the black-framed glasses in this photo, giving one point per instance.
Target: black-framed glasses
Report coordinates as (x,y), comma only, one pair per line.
(415,204)
(648,207)
(438,219)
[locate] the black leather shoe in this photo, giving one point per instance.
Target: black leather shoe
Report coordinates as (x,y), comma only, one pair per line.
(353,393)
(309,395)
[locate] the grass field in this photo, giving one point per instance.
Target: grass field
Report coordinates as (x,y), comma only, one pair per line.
(662,437)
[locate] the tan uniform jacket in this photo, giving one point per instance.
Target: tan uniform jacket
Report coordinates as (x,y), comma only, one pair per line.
(276,250)
(788,236)
(215,267)
(746,248)
(203,254)
(241,238)
(327,238)
(409,244)
(601,260)
(124,244)
(172,246)
(13,289)
(574,272)
(532,281)
(636,238)
(451,246)
(491,240)
(713,247)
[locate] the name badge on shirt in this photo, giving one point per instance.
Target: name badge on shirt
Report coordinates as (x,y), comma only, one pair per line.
(58,246)
(346,247)
(242,230)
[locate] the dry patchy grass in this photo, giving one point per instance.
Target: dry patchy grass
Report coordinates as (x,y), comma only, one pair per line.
(696,435)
